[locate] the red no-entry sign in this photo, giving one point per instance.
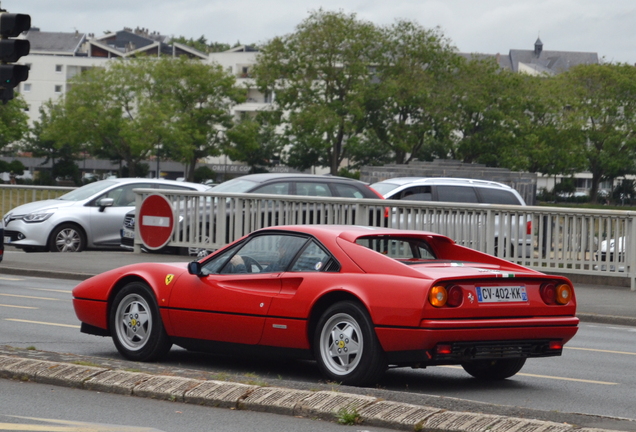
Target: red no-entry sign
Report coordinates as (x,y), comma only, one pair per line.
(156,221)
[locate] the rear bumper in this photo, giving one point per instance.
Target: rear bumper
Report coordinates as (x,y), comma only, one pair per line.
(476,339)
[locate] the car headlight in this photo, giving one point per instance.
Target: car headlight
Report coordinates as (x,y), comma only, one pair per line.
(38,217)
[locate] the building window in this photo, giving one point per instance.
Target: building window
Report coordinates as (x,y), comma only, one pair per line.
(58,68)
(58,89)
(26,87)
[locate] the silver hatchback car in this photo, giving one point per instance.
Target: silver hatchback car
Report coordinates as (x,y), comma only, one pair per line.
(89,217)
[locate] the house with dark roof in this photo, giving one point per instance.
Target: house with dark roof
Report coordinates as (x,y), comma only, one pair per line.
(538,61)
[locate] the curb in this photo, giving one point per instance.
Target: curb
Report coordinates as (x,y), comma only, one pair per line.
(328,405)
(606,319)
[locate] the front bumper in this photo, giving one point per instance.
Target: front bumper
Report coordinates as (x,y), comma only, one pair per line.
(21,234)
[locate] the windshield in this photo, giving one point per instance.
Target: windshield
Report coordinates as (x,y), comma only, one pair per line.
(87,191)
(234,186)
(383,188)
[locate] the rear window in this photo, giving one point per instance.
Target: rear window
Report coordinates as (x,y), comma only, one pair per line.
(348,191)
(383,188)
(399,248)
(497,196)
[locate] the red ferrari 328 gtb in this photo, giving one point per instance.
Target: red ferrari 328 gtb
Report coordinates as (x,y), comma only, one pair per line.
(356,299)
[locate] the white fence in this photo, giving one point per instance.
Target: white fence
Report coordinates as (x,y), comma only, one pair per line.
(12,196)
(563,240)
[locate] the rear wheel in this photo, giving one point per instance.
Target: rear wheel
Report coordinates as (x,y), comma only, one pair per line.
(346,347)
(136,326)
(67,238)
(494,370)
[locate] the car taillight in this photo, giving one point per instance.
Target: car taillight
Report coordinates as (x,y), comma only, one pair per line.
(548,293)
(563,294)
(437,296)
(455,296)
(556,294)
(529,227)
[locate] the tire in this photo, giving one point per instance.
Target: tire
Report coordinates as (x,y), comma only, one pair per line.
(136,326)
(67,238)
(346,347)
(494,370)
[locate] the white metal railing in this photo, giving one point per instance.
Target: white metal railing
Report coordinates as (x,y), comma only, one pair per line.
(12,196)
(561,240)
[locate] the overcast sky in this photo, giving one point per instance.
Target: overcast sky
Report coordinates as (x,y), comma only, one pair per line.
(607,27)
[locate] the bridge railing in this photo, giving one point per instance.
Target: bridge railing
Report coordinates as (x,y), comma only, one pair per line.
(563,240)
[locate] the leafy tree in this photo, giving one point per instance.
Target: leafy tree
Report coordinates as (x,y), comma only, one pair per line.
(484,112)
(105,113)
(605,108)
(13,121)
(203,173)
(319,74)
(406,104)
(545,139)
(255,142)
(190,109)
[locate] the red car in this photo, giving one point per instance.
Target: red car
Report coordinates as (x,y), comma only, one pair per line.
(355,299)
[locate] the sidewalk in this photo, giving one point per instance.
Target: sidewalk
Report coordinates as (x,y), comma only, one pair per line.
(375,407)
(596,303)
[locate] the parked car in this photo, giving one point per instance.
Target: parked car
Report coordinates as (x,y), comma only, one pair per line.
(89,217)
(356,299)
(459,190)
(270,184)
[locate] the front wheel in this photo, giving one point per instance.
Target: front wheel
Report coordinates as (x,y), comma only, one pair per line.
(346,347)
(494,370)
(136,326)
(67,238)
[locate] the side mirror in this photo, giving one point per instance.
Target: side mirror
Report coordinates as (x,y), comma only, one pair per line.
(194,268)
(105,202)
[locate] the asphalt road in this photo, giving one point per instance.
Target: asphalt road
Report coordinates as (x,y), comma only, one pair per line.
(596,304)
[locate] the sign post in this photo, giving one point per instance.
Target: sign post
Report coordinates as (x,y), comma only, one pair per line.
(155,221)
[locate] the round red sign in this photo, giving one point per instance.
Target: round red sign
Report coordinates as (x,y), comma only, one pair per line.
(156,221)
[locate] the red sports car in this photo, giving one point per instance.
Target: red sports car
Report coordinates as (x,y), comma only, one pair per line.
(355,299)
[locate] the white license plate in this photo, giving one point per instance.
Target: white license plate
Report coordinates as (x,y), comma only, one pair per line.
(501,294)
(128,234)
(7,239)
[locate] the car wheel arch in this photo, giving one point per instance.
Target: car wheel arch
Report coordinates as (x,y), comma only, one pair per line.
(324,302)
(79,226)
(120,284)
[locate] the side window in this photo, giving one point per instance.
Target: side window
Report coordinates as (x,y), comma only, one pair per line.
(312,259)
(460,194)
(123,196)
(268,253)
(216,264)
(497,196)
(417,193)
(312,189)
(347,191)
(281,188)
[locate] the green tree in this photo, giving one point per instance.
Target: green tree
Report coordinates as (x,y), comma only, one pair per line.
(105,113)
(406,103)
(255,142)
(13,121)
(605,107)
(320,74)
(191,108)
(484,113)
(545,141)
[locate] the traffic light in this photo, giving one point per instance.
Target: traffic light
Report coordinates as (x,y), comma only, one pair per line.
(11,25)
